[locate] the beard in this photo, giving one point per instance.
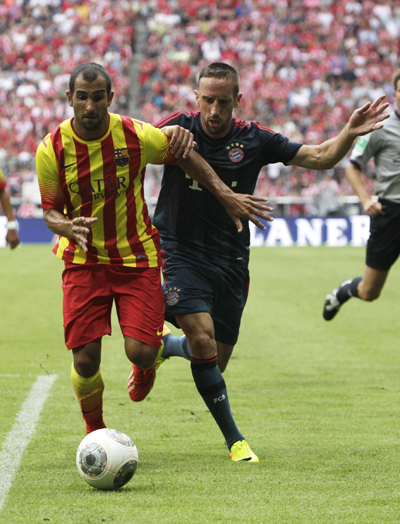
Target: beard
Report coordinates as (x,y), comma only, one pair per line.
(90,125)
(220,129)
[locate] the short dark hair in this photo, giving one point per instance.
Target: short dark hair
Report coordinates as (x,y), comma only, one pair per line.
(395,79)
(221,70)
(90,71)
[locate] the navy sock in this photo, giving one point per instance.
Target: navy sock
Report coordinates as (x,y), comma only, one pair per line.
(354,286)
(176,347)
(348,290)
(211,386)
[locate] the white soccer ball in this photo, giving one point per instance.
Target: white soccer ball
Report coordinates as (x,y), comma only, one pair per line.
(107,459)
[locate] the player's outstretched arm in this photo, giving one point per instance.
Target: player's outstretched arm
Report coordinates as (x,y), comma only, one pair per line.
(77,228)
(364,120)
(237,205)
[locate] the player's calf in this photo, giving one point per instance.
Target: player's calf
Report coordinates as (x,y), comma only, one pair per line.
(140,381)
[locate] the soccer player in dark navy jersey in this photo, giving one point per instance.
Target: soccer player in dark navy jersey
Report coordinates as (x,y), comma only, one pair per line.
(190,218)
(205,258)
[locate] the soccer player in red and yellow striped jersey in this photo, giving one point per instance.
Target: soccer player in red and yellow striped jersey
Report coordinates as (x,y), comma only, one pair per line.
(12,237)
(103,179)
(91,170)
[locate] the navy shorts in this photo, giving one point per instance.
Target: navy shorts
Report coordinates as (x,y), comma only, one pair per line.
(383,247)
(192,285)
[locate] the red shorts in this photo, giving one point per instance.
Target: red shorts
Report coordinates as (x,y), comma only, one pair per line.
(89,292)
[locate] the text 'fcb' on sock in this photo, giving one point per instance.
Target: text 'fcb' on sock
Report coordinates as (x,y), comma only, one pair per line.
(211,386)
(89,392)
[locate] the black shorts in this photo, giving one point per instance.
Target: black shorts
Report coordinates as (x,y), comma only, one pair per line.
(192,285)
(383,247)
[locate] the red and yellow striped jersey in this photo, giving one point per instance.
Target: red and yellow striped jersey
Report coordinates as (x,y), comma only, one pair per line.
(2,181)
(103,178)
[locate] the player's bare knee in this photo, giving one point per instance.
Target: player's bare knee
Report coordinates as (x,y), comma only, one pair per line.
(86,366)
(202,345)
(142,355)
(147,358)
(87,359)
(222,365)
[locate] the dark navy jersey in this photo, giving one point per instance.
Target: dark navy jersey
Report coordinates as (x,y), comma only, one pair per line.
(189,217)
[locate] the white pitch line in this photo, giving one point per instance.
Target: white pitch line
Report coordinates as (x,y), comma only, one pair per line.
(9,375)
(18,438)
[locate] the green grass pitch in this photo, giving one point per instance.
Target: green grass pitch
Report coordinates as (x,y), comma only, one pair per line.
(319,403)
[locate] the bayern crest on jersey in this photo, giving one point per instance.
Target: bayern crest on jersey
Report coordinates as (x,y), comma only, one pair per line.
(121,157)
(235,154)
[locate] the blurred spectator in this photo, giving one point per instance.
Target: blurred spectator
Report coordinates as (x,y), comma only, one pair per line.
(327,197)
(298,61)
(41,42)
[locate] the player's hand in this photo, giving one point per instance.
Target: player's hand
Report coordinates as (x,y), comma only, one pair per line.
(182,140)
(368,117)
(80,228)
(248,207)
(372,207)
(12,238)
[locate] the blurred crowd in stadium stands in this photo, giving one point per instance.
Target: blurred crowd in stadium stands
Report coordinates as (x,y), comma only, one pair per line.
(41,41)
(305,65)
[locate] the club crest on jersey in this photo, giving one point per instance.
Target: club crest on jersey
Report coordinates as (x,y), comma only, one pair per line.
(171,296)
(236,153)
(121,157)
